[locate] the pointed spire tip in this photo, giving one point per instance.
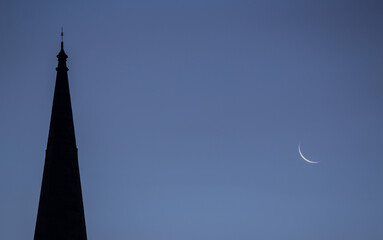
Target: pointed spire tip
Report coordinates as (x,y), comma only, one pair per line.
(62,56)
(62,38)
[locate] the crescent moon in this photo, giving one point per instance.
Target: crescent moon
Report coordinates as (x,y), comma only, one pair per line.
(299,149)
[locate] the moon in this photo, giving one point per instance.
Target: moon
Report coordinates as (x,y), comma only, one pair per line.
(299,149)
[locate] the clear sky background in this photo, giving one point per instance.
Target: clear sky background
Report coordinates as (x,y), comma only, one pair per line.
(188,116)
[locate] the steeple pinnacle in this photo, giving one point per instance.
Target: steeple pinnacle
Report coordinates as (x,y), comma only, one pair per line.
(62,38)
(62,56)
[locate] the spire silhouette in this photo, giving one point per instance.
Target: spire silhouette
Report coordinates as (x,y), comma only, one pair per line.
(61,213)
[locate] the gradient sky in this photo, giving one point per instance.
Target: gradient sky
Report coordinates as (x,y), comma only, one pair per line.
(188,116)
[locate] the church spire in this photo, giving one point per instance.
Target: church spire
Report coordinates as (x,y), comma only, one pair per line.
(61,213)
(61,129)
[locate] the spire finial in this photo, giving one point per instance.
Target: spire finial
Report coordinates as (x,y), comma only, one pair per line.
(62,56)
(62,38)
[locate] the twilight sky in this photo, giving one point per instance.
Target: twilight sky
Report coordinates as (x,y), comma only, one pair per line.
(188,116)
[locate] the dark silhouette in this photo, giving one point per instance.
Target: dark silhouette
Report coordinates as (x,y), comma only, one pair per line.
(61,212)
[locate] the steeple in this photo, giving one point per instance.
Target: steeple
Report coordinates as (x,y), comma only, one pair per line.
(61,213)
(61,131)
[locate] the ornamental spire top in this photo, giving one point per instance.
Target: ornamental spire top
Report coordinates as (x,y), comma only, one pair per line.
(62,38)
(62,56)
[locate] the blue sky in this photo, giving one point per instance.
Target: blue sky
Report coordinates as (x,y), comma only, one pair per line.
(188,116)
